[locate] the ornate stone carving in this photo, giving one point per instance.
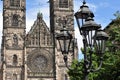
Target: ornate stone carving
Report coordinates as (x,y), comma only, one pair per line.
(14,41)
(6,19)
(64,20)
(60,21)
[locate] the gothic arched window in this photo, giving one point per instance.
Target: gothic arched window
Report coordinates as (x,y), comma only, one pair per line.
(11,2)
(15,61)
(15,20)
(15,3)
(44,36)
(63,3)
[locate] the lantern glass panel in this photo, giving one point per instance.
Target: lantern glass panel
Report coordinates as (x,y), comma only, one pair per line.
(89,38)
(64,45)
(100,46)
(101,37)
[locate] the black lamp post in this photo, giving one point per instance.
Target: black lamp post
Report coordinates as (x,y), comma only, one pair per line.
(64,39)
(93,39)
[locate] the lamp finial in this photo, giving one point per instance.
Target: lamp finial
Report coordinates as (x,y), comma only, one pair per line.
(84,2)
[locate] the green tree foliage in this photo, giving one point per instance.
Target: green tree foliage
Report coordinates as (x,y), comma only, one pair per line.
(76,70)
(111,60)
(111,65)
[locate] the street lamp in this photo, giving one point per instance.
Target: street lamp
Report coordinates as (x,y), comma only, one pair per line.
(101,37)
(93,39)
(64,39)
(82,14)
(83,11)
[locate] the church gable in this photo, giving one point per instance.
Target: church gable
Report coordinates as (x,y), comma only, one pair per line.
(39,34)
(39,50)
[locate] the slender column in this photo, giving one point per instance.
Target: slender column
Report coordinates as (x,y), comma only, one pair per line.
(85,58)
(54,57)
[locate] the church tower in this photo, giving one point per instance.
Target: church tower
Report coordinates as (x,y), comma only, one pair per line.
(12,50)
(62,14)
(34,56)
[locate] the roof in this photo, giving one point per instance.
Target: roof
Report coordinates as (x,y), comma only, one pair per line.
(39,23)
(113,22)
(39,33)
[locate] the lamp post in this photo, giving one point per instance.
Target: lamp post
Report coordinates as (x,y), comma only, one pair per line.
(93,39)
(64,39)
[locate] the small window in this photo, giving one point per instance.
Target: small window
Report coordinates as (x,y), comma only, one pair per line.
(15,60)
(15,20)
(66,78)
(63,3)
(15,3)
(14,76)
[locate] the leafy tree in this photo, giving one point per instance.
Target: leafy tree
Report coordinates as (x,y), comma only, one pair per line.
(76,70)
(110,69)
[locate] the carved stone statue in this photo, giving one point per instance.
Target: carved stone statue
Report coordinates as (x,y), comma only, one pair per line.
(15,40)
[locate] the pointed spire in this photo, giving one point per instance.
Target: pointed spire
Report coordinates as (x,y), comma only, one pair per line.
(39,15)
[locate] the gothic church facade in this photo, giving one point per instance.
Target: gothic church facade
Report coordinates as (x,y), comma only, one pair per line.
(33,55)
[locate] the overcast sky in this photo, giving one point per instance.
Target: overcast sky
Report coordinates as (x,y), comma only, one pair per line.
(102,9)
